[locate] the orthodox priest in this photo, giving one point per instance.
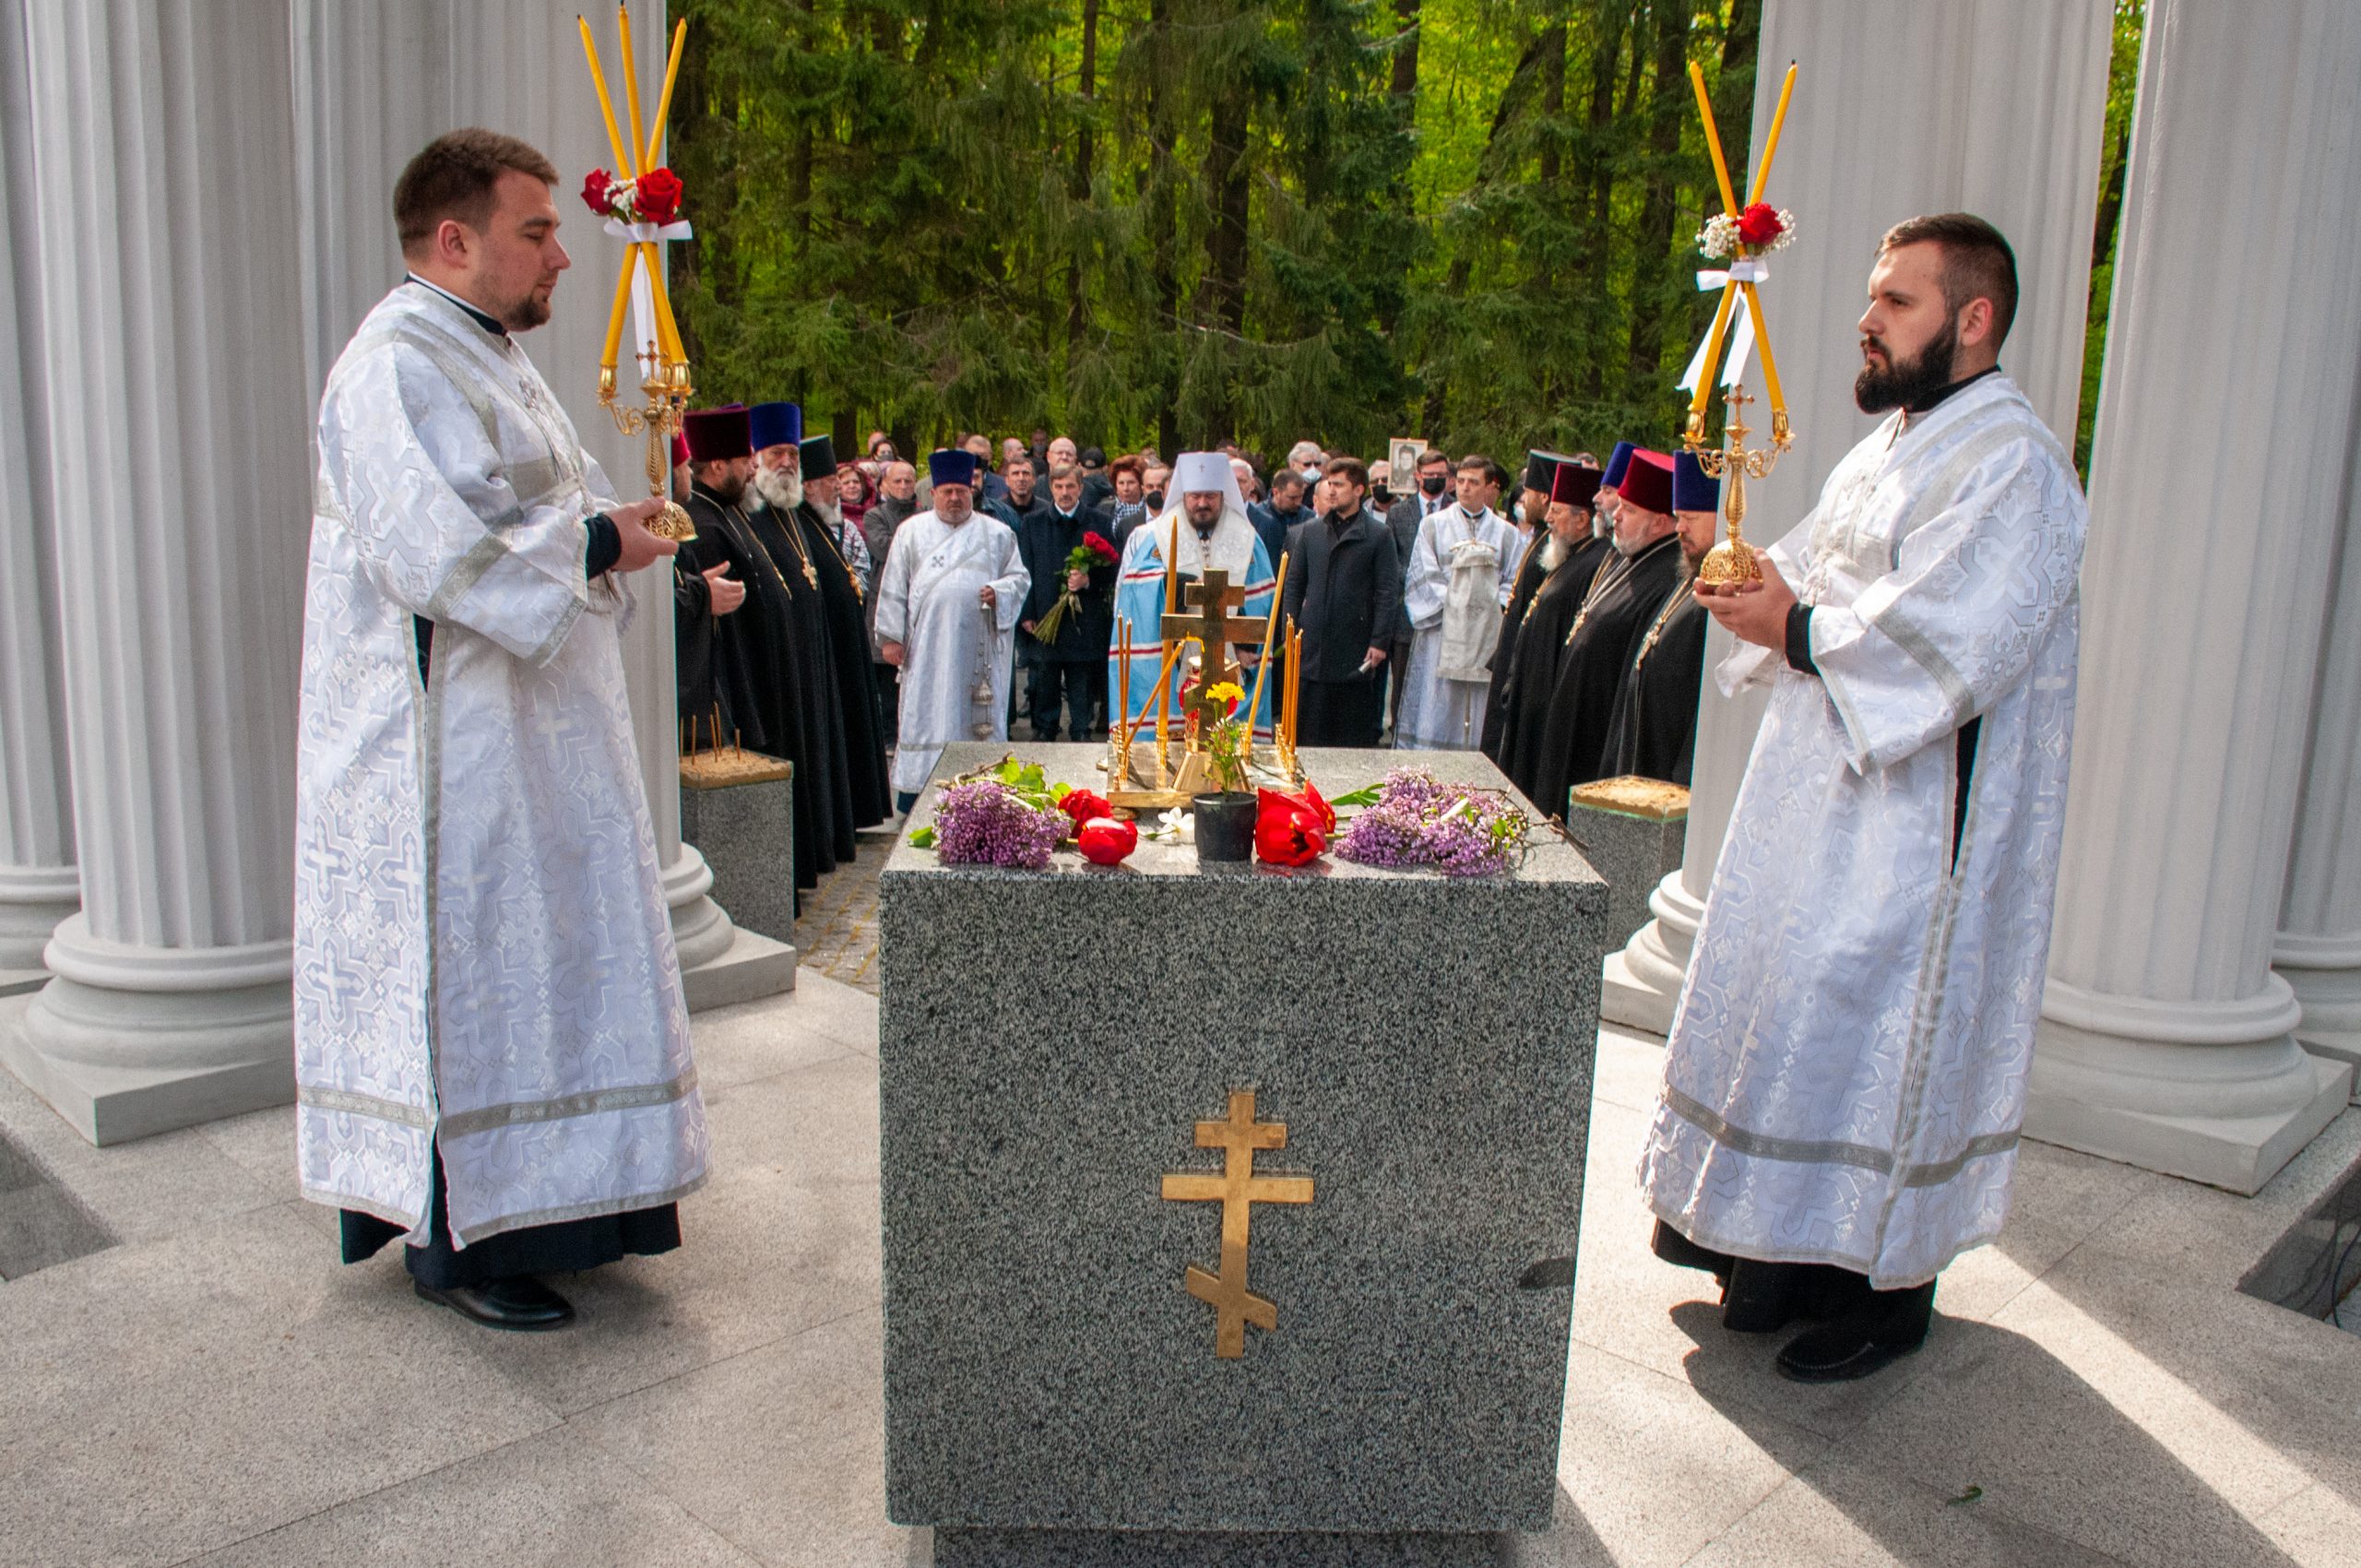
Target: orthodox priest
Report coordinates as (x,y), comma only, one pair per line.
(1571,556)
(1845,1081)
(492,1051)
(1628,589)
(947,605)
(1206,529)
(762,655)
(1532,520)
(1463,574)
(1654,733)
(825,539)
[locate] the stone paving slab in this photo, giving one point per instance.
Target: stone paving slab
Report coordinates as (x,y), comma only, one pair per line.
(215,1388)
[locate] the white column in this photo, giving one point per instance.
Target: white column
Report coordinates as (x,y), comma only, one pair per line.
(2318,950)
(2004,104)
(2228,396)
(373,85)
(164,167)
(38,882)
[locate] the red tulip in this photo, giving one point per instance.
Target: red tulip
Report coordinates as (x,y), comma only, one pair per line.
(1315,809)
(1285,833)
(1081,805)
(1106,841)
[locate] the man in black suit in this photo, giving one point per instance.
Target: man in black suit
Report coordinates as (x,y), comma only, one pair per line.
(1413,505)
(1344,592)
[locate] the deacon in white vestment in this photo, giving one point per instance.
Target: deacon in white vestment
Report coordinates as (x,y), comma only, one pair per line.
(484,973)
(947,606)
(1206,529)
(1463,574)
(1847,1064)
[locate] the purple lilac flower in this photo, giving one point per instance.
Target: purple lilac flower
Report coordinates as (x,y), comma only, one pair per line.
(1419,821)
(984,825)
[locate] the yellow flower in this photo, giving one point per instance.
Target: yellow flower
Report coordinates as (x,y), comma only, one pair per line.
(1226,691)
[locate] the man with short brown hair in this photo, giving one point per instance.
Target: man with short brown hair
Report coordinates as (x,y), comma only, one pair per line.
(1344,590)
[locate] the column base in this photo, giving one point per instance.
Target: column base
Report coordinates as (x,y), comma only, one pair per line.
(2330,991)
(721,963)
(2217,1092)
(33,901)
(1643,979)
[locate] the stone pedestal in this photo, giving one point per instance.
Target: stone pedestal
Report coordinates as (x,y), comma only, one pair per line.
(38,882)
(739,819)
(1047,1365)
(1630,831)
(2027,158)
(2228,393)
(163,158)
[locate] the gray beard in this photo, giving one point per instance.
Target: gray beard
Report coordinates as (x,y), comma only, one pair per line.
(1553,555)
(783,489)
(831,513)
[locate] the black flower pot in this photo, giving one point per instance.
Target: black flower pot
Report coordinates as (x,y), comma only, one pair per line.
(1225,826)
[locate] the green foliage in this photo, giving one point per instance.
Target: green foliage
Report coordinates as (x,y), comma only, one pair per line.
(2122,90)
(1181,221)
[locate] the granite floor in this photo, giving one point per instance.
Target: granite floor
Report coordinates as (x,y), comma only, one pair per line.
(213,1388)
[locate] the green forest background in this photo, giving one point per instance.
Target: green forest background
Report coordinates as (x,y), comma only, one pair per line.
(1179,222)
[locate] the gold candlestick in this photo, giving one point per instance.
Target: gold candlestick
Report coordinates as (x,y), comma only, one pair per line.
(1733,561)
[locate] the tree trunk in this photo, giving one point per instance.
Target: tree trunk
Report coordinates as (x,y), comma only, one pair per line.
(1598,180)
(1405,59)
(1164,221)
(1659,211)
(1079,186)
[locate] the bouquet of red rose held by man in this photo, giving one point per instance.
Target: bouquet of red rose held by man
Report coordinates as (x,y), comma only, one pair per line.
(1093,553)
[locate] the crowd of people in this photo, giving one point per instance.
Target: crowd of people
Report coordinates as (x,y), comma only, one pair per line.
(856,617)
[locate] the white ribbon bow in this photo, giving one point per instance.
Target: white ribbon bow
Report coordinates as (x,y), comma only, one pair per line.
(643,297)
(1741,327)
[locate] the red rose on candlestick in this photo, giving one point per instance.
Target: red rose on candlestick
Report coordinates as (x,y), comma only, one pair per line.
(1082,805)
(1105,841)
(1287,832)
(1758,224)
(659,196)
(595,189)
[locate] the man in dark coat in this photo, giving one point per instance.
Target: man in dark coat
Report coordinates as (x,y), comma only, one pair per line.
(1571,555)
(1654,731)
(1062,666)
(1615,613)
(1344,592)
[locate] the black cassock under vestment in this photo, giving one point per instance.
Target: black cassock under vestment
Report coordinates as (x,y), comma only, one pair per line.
(1532,668)
(1615,614)
(866,781)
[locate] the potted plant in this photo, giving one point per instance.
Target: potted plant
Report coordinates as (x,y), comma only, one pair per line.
(1226,813)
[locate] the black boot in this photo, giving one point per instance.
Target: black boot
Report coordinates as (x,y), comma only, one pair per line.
(1758,1298)
(1886,1327)
(523,1304)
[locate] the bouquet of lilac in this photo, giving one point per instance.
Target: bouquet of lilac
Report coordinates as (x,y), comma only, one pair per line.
(1459,829)
(988,824)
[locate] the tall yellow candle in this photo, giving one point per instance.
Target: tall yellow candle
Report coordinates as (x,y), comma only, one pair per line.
(1771,143)
(1270,648)
(1172,569)
(622,302)
(668,331)
(1156,698)
(606,106)
(631,78)
(1763,341)
(1712,351)
(664,101)
(1713,138)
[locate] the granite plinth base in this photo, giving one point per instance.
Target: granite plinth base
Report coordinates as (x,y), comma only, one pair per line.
(745,830)
(1633,847)
(1047,1368)
(1169,1549)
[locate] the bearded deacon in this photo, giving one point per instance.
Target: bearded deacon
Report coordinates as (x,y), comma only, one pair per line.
(1654,732)
(1845,1081)
(1207,530)
(491,1045)
(1630,585)
(947,606)
(1461,575)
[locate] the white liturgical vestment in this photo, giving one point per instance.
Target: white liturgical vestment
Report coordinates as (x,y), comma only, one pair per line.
(957,655)
(482,956)
(1848,1064)
(1462,574)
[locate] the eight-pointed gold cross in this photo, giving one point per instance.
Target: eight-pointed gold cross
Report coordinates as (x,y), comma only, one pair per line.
(1238,1188)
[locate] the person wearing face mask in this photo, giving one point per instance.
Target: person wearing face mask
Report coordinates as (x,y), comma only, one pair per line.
(1623,597)
(1463,571)
(1412,507)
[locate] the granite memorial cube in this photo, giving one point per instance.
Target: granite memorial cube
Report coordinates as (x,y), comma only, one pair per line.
(1631,829)
(737,809)
(1081,1072)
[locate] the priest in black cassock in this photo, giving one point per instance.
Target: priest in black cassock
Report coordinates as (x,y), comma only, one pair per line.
(1615,613)
(776,430)
(756,672)
(1530,515)
(1654,733)
(1570,554)
(821,521)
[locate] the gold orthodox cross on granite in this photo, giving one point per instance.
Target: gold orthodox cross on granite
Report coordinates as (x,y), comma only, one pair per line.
(1212,628)
(1237,1188)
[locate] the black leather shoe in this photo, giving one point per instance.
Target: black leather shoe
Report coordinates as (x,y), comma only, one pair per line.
(522,1305)
(1891,1325)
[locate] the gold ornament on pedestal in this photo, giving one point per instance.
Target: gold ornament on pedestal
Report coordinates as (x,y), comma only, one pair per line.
(641,203)
(1740,237)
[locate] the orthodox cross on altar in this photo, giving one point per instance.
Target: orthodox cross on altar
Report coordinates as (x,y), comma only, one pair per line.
(1213,629)
(1237,1189)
